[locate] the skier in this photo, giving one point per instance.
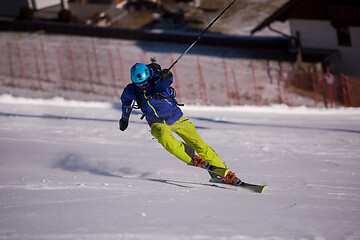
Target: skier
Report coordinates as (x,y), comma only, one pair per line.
(151,90)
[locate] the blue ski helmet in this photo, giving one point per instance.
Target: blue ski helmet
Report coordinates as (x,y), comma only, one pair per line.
(139,73)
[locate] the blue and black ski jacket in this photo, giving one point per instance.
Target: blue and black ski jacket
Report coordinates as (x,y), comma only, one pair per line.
(154,101)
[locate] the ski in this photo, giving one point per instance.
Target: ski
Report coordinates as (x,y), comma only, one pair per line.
(217,173)
(252,187)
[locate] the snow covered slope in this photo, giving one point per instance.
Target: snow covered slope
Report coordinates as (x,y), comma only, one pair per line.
(67,172)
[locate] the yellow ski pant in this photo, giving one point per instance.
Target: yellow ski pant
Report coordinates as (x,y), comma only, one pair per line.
(187,131)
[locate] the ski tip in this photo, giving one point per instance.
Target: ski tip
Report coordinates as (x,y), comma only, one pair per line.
(254,188)
(263,189)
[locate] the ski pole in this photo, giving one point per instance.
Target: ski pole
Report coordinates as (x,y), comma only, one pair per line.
(203,32)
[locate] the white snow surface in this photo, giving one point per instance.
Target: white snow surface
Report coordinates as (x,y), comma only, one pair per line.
(67,172)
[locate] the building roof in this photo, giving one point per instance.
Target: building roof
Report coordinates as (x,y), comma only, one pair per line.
(339,12)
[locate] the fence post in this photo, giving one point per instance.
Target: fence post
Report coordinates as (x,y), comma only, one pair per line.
(111,63)
(144,57)
(96,61)
(71,59)
(279,85)
(20,57)
(44,58)
(176,80)
(284,79)
(323,90)
(89,70)
(255,85)
(313,84)
(328,81)
(349,92)
(37,67)
(227,83)
(236,87)
(11,64)
(343,89)
(60,68)
(201,82)
(121,67)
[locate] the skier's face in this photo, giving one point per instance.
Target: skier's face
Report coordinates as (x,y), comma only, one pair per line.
(143,84)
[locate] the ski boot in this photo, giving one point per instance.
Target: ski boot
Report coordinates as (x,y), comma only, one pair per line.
(218,174)
(230,178)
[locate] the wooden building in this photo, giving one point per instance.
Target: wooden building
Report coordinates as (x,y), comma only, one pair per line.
(11,8)
(324,25)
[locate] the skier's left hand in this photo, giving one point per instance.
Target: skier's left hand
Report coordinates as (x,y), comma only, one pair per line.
(165,74)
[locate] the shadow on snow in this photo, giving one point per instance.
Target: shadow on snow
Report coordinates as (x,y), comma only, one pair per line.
(75,163)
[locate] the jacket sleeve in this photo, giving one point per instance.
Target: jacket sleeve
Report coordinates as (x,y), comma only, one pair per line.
(126,100)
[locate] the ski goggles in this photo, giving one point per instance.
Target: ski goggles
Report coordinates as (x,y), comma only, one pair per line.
(142,84)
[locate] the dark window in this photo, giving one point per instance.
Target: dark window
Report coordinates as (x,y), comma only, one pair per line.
(343,35)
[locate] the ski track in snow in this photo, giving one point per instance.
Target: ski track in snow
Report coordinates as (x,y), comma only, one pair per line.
(67,172)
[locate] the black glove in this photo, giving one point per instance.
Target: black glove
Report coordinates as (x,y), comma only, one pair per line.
(123,124)
(165,74)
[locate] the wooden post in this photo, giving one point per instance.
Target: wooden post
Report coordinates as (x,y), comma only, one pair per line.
(279,86)
(20,58)
(71,59)
(323,90)
(349,92)
(121,67)
(313,84)
(111,63)
(255,85)
(284,79)
(176,79)
(201,82)
(144,57)
(89,70)
(60,69)
(96,61)
(236,87)
(227,83)
(37,68)
(44,58)
(11,64)
(328,81)
(343,89)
